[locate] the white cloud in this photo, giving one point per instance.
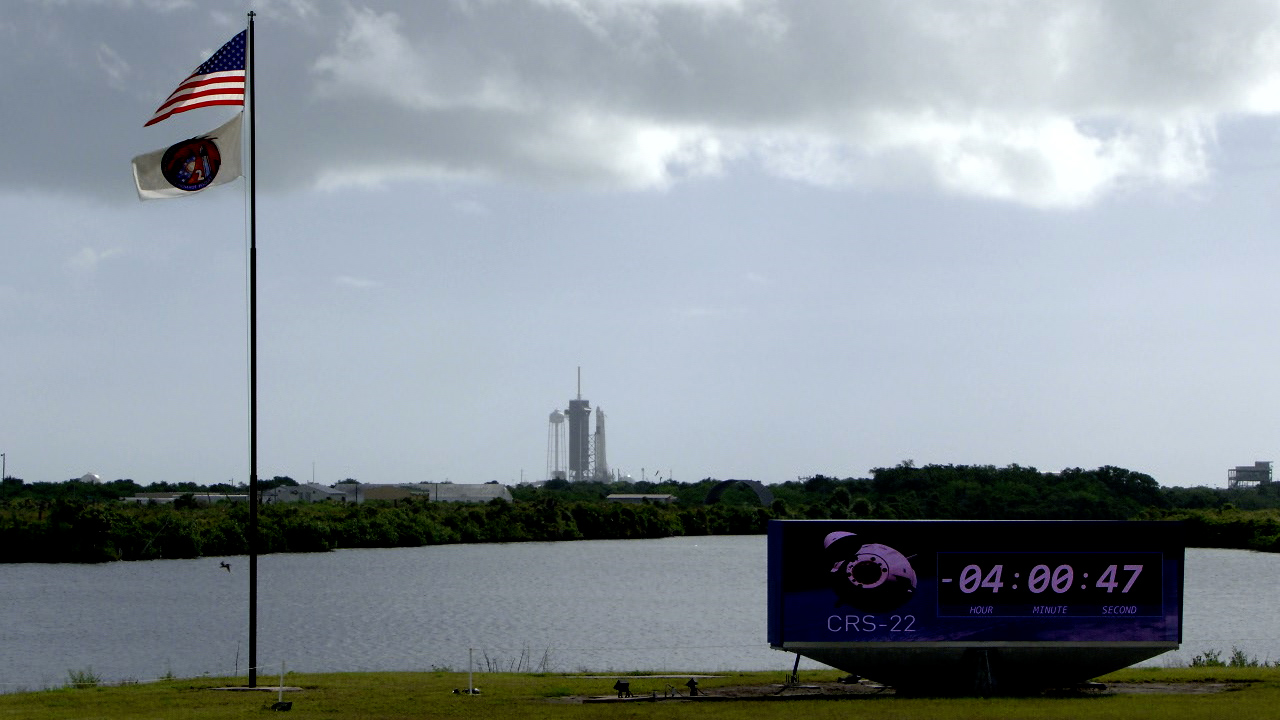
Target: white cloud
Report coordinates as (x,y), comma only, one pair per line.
(640,155)
(115,67)
(1051,105)
(379,176)
(471,206)
(88,259)
(1049,161)
(157,5)
(374,58)
(356,282)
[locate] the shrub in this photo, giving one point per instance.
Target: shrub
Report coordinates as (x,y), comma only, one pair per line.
(86,678)
(1239,659)
(1210,658)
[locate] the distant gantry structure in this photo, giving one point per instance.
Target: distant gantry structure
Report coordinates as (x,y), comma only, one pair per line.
(585,449)
(601,464)
(1249,475)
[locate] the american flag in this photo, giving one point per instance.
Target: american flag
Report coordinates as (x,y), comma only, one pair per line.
(219,81)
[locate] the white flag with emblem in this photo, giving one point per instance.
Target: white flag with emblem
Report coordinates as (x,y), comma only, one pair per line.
(190,166)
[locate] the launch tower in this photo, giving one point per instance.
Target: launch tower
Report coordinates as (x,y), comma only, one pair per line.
(586,450)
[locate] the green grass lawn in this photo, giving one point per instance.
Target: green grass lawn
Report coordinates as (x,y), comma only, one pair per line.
(343,696)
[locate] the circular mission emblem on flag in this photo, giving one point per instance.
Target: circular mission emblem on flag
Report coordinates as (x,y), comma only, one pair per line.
(191,164)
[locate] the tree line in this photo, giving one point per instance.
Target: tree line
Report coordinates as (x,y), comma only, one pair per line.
(85,522)
(68,531)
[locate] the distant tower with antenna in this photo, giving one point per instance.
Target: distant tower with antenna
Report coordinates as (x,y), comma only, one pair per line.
(579,436)
(586,450)
(555,441)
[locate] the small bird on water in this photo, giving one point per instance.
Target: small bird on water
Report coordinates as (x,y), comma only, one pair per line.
(225,566)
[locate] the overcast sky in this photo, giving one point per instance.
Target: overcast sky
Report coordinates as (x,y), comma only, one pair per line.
(779,238)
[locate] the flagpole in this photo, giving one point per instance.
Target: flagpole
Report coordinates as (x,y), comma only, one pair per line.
(253,369)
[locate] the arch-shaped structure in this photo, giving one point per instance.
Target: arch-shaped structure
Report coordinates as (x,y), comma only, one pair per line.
(762,492)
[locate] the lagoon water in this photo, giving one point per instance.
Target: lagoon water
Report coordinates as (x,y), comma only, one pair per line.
(676,603)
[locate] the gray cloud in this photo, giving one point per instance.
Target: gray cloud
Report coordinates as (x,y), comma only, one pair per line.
(1051,104)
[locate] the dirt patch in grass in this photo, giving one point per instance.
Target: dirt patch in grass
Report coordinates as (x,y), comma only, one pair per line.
(864,688)
(1172,688)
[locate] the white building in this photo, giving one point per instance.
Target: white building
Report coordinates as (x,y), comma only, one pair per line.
(361,492)
(310,492)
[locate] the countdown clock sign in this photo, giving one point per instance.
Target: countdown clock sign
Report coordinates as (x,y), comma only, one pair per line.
(974,583)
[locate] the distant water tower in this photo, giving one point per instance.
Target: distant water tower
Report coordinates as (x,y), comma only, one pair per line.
(555,441)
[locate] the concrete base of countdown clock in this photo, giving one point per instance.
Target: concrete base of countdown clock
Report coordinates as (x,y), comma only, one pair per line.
(979,668)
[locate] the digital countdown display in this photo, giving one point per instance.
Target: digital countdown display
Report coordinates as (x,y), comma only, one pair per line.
(974,582)
(1021,584)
